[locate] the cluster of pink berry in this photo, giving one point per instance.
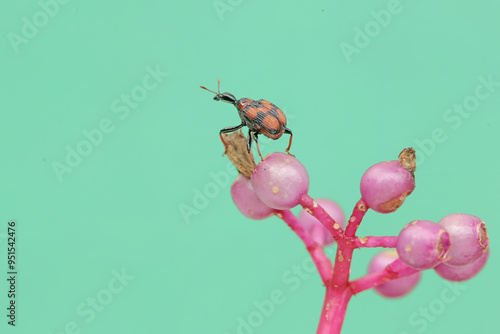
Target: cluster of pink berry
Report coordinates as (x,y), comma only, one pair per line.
(456,247)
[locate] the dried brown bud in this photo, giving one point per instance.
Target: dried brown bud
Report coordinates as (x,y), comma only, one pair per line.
(236,151)
(407,159)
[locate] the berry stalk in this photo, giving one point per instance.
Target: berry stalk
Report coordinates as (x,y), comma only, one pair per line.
(356,218)
(346,245)
(395,270)
(370,242)
(338,292)
(320,214)
(321,261)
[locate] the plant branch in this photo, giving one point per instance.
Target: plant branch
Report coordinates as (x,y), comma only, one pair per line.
(370,241)
(346,246)
(320,214)
(320,259)
(357,216)
(334,309)
(391,272)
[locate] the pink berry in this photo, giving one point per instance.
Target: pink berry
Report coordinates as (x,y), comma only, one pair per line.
(463,273)
(469,239)
(316,230)
(423,244)
(384,186)
(280,181)
(247,201)
(397,288)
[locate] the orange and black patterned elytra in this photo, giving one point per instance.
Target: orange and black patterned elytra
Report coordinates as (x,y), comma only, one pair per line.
(260,116)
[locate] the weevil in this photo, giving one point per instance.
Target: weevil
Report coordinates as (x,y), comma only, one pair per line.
(260,116)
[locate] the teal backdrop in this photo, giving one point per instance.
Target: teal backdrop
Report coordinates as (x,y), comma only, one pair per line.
(112,165)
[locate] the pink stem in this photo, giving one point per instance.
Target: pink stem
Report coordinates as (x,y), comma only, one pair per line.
(347,245)
(387,242)
(320,259)
(292,221)
(320,214)
(334,309)
(338,288)
(342,267)
(357,216)
(393,271)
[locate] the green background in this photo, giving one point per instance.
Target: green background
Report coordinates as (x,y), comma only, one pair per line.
(120,208)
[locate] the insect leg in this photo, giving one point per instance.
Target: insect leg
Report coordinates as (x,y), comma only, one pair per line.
(229,129)
(249,145)
(257,143)
(249,142)
(287,130)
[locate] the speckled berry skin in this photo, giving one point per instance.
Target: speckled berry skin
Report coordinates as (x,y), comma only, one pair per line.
(423,244)
(280,181)
(469,239)
(397,288)
(384,186)
(247,201)
(463,273)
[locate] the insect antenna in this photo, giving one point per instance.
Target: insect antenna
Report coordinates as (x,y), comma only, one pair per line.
(218,88)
